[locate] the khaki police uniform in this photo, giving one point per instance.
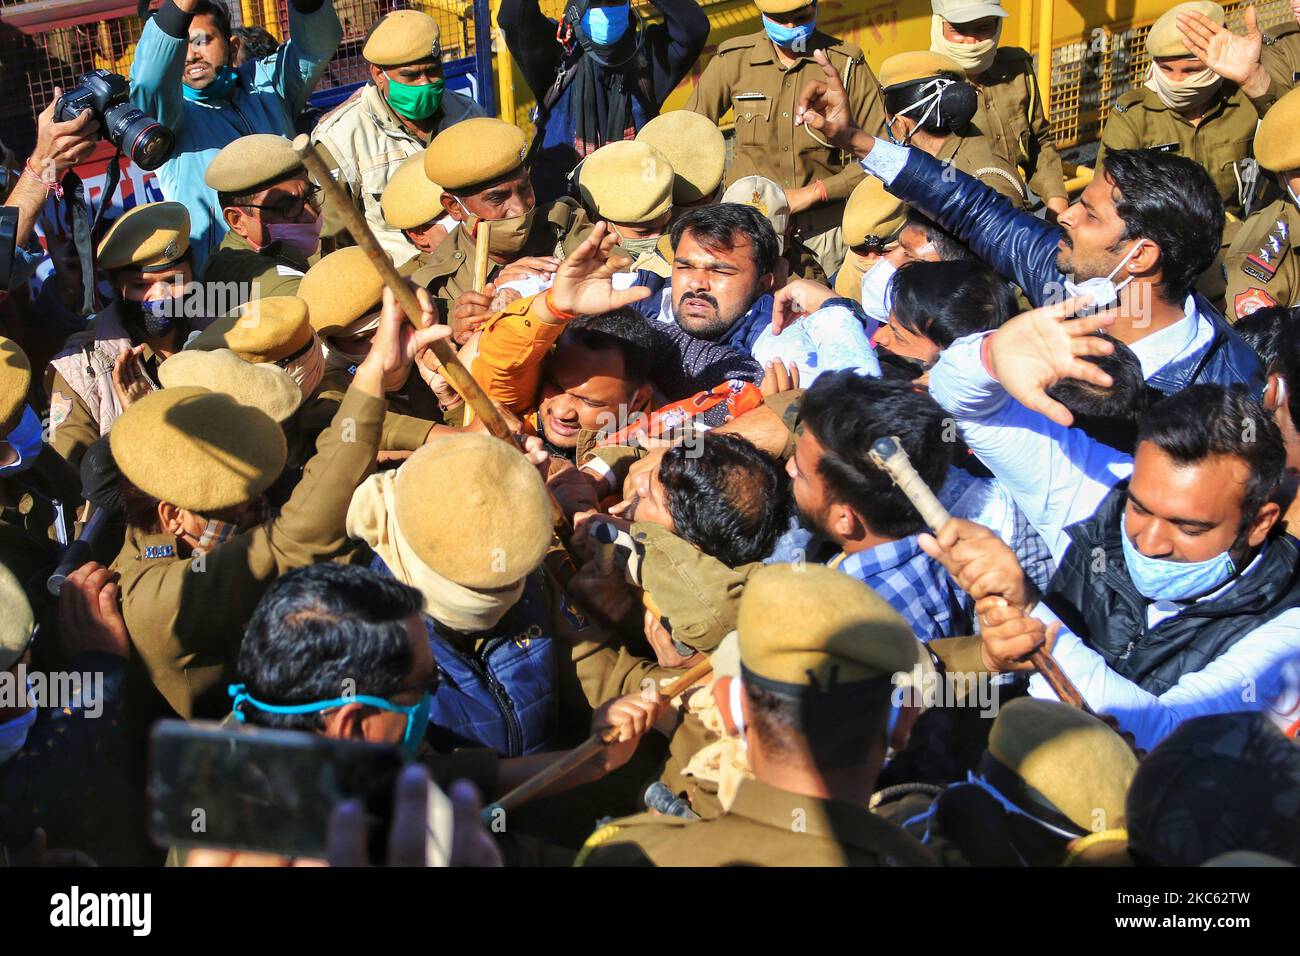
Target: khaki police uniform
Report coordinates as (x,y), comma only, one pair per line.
(363,141)
(1280,57)
(1011,115)
(973,154)
(746,78)
(847,643)
(185,614)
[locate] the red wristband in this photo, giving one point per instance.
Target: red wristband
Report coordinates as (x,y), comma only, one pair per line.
(53,187)
(556,312)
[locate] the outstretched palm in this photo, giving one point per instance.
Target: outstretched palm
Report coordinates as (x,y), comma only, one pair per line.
(1231,56)
(584,282)
(1037,349)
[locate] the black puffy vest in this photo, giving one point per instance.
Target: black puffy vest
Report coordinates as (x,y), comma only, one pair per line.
(1093,594)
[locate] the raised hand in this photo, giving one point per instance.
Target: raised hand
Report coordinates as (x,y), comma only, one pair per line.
(824,106)
(1037,349)
(130,383)
(979,561)
(796,299)
(1233,57)
(584,281)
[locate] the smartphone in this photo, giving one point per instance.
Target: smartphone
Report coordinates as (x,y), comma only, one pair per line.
(272,791)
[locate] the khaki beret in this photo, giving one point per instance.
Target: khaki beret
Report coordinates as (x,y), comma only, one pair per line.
(695,148)
(263,330)
(1165,39)
(1277,142)
(15,379)
(1071,758)
(16,628)
(917,65)
(872,211)
(626,182)
(765,196)
(814,627)
(199,450)
(149,237)
(966,11)
(264,386)
(341,288)
(403,36)
(781,6)
(488,532)
(478,150)
(252,161)
(411,199)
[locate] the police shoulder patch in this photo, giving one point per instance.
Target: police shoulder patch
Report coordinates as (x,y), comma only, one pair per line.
(60,408)
(1252,300)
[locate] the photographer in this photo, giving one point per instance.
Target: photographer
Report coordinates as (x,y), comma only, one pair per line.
(183,76)
(59,147)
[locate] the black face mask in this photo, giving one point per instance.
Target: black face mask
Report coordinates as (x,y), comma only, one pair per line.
(156,318)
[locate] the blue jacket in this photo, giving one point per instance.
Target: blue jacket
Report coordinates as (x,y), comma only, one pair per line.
(1023,249)
(504,695)
(269,95)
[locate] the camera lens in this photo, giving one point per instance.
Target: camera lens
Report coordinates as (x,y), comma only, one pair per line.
(144,140)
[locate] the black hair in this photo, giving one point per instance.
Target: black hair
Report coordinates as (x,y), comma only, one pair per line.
(1205,420)
(1262,329)
(837,731)
(217,11)
(1111,414)
(1286,361)
(726,497)
(846,413)
(1172,201)
(948,246)
(624,331)
(717,226)
(321,631)
(255,42)
(944,301)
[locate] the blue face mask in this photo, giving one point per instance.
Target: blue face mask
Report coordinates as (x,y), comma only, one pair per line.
(25,439)
(1160,580)
(216,91)
(606,25)
(417,715)
(790,38)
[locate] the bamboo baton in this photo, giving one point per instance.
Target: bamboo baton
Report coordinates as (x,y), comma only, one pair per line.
(580,754)
(452,368)
(888,455)
(481,261)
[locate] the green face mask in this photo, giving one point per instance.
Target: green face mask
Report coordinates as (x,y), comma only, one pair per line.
(636,248)
(415,102)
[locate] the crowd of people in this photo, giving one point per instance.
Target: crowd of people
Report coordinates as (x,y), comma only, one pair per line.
(689,573)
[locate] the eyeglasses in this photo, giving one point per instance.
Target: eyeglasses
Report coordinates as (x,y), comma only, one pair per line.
(290,208)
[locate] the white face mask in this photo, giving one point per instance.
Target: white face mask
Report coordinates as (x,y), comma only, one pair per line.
(974,58)
(13,734)
(875,298)
(1104,291)
(1188,94)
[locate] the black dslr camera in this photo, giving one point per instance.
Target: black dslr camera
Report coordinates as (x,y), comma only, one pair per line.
(140,137)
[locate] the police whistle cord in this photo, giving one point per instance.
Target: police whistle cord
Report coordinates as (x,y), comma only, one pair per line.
(580,754)
(888,455)
(78,553)
(452,368)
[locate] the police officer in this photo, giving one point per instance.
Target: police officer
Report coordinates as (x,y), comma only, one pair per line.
(344,294)
(1010,110)
(1184,107)
(272,211)
(1262,270)
(1264,65)
(818,655)
(629,185)
(147,259)
(1050,777)
(412,203)
(759,76)
(196,464)
(872,221)
(796,261)
(403,107)
(481,166)
(929,104)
